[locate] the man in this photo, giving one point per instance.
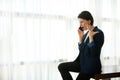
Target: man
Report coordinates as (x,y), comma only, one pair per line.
(88,61)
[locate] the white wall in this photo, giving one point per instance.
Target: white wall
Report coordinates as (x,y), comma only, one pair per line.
(36,31)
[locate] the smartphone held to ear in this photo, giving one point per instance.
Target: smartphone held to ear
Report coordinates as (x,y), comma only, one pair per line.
(81,28)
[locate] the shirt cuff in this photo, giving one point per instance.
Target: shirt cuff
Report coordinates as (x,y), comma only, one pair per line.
(91,44)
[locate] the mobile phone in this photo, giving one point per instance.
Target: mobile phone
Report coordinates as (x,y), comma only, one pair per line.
(81,28)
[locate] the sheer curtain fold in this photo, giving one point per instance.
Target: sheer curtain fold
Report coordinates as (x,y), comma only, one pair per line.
(36,35)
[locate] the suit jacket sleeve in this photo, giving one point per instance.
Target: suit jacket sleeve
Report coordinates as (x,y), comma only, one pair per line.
(95,46)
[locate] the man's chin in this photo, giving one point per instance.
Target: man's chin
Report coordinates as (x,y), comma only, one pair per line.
(85,29)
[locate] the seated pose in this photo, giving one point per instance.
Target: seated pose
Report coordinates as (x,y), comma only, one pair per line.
(88,63)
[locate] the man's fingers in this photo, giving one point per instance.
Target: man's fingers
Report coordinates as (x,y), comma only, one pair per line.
(96,32)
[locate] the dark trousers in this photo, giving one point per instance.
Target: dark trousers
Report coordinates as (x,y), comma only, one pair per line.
(67,67)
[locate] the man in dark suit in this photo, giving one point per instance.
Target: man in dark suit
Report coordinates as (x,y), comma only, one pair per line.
(90,43)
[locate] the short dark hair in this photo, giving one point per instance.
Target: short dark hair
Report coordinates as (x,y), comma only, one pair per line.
(87,16)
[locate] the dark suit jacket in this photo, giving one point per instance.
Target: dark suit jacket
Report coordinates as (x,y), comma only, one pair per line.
(89,53)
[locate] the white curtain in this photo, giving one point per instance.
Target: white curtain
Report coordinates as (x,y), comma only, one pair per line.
(36,35)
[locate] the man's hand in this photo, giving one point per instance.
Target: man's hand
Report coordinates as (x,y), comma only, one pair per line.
(80,34)
(91,33)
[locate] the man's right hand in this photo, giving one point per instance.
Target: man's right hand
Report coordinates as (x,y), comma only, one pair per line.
(80,34)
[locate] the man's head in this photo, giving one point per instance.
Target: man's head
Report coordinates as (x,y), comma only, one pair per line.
(85,18)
